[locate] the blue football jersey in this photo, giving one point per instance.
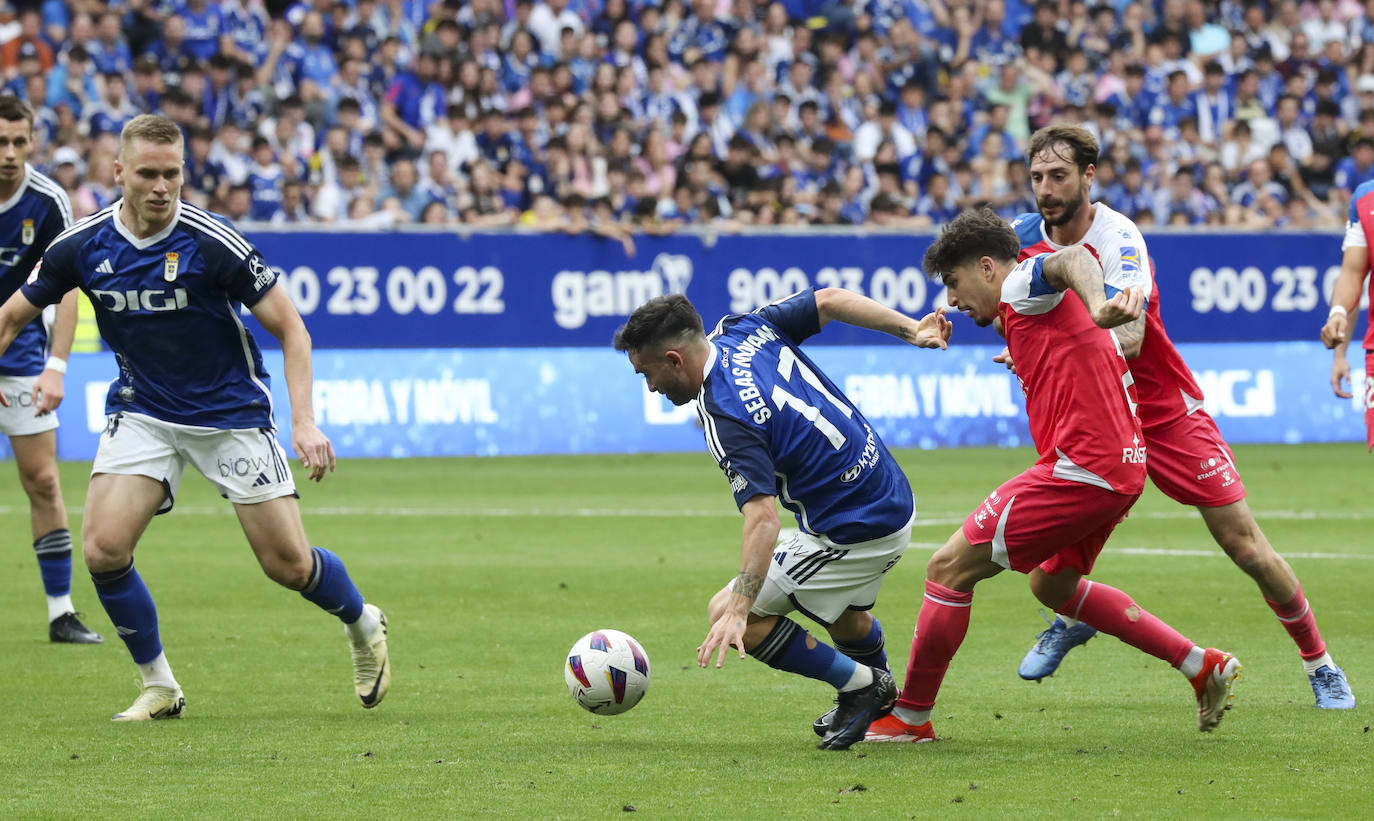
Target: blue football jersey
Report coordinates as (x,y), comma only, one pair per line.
(29,220)
(777,426)
(168,306)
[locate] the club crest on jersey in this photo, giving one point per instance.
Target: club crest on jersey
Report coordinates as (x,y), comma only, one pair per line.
(169,268)
(27,233)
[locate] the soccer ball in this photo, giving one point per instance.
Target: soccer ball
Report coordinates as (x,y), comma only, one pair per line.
(607,672)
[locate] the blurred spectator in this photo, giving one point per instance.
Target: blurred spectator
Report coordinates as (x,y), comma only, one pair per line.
(265,179)
(626,114)
(1356,169)
(30,38)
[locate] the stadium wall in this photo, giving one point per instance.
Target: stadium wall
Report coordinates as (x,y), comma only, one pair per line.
(442,344)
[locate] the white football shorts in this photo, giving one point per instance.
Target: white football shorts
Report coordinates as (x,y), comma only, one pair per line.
(19,418)
(821,579)
(247,466)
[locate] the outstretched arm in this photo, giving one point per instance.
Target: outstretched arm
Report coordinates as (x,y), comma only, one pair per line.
(932,331)
(760,536)
(279,317)
(1075,269)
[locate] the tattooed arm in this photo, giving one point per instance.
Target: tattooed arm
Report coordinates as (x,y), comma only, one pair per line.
(1075,269)
(760,537)
(1131,336)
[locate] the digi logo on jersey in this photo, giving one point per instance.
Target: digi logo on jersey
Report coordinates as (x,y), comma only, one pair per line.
(148,299)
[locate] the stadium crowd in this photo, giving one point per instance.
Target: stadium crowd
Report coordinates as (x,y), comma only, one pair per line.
(617,116)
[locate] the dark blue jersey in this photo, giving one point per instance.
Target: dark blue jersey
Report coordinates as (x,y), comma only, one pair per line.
(777,426)
(168,306)
(29,221)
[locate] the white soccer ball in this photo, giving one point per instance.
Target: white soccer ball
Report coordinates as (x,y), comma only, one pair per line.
(607,672)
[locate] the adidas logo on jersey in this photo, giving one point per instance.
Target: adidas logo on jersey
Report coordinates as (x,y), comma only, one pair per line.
(104,267)
(262,480)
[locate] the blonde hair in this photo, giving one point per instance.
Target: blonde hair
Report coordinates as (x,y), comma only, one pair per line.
(149,128)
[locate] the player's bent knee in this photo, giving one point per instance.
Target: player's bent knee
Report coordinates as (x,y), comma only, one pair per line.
(288,573)
(41,485)
(103,551)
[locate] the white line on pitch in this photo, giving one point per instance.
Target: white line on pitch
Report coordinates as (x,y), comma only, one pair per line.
(945,520)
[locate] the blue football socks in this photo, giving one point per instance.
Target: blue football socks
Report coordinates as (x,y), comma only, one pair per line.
(130,607)
(868,650)
(789,648)
(331,589)
(54,552)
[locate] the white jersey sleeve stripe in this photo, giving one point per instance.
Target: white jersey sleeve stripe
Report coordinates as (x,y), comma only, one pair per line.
(102,214)
(206,217)
(708,424)
(215,228)
(244,336)
(52,189)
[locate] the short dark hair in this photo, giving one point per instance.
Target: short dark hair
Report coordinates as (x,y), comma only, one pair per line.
(1080,142)
(657,322)
(14,109)
(973,234)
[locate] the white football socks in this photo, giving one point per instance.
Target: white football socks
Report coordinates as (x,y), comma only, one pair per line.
(1312,666)
(862,677)
(158,673)
(362,629)
(59,606)
(1192,663)
(913,717)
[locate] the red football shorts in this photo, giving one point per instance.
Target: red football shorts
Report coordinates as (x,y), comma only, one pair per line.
(1035,520)
(1189,461)
(1369,398)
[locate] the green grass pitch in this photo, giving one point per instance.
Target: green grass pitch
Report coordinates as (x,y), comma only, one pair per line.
(490,569)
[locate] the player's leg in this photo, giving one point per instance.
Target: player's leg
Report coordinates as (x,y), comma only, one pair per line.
(1236,531)
(782,644)
(275,533)
(118,510)
(1214,487)
(858,634)
(820,579)
(941,625)
(36,457)
(1211,672)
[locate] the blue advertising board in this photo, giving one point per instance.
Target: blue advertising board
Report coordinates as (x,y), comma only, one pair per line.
(486,402)
(516,290)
